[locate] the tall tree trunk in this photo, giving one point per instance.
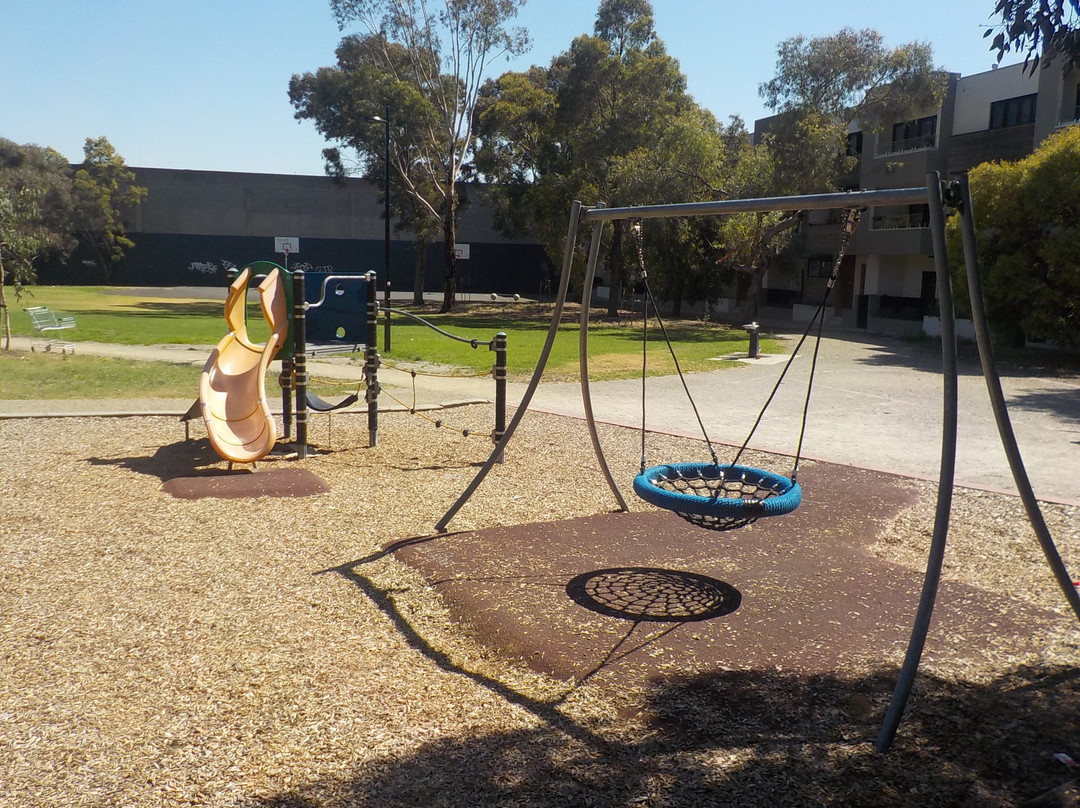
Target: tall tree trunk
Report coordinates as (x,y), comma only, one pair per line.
(418,275)
(450,251)
(4,313)
(616,271)
(748,291)
(678,290)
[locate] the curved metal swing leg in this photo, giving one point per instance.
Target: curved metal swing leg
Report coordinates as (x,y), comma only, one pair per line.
(997,401)
(534,382)
(945,477)
(576,211)
(583,363)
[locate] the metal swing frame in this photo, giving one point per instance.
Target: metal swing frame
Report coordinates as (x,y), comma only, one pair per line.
(937,196)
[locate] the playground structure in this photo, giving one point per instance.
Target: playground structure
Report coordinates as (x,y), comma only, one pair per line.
(309,313)
(939,197)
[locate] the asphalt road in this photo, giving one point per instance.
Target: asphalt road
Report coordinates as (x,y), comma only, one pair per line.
(876,403)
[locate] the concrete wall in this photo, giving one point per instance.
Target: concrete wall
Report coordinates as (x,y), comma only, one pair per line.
(896,275)
(195,225)
(975,94)
(222,203)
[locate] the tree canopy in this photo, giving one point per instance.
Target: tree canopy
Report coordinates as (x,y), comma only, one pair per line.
(825,85)
(1028,217)
(1038,29)
(427,64)
(47,209)
(104,191)
(609,120)
(35,216)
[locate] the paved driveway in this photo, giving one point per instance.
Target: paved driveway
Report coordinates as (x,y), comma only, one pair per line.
(877,403)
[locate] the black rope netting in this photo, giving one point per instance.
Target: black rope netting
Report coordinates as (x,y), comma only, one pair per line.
(728,497)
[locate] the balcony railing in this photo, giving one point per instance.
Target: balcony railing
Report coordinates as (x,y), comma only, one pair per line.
(910,144)
(900,221)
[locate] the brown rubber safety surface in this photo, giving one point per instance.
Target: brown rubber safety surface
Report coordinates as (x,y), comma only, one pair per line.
(632,596)
(247,483)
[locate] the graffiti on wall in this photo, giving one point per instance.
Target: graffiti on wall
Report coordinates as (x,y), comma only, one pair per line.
(308,267)
(209,267)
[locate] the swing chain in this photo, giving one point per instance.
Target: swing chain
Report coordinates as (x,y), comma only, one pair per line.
(849,223)
(635,227)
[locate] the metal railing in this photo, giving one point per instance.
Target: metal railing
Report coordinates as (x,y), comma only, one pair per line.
(917,143)
(900,221)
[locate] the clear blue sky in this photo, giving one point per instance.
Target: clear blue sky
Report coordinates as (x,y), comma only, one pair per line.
(202,84)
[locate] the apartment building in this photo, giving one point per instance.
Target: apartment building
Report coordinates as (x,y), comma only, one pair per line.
(887,280)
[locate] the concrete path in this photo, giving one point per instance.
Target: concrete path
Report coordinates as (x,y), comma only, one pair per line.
(876,404)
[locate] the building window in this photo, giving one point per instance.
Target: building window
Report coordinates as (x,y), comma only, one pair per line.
(1013,111)
(819,267)
(854,144)
(894,217)
(911,135)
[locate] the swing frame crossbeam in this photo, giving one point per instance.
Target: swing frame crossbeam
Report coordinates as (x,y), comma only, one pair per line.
(938,196)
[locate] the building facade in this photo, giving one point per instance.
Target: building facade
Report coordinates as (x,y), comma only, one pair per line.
(195,225)
(888,282)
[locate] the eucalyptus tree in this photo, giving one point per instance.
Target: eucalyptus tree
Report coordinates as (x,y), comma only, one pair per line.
(35,216)
(104,193)
(1039,28)
(427,63)
(822,89)
(609,120)
(825,85)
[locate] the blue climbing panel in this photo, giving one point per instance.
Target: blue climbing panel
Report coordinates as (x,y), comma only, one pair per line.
(337,311)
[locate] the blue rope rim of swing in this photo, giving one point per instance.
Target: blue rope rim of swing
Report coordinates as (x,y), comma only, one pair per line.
(785,495)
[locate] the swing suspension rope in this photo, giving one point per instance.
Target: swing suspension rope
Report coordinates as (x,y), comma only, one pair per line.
(725,497)
(849,222)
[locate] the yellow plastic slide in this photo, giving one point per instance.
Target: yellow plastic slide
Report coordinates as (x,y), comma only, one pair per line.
(232,393)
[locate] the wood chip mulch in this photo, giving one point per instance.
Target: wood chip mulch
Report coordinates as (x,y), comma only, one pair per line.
(271,651)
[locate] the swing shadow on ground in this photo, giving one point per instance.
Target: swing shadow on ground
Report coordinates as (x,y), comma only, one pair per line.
(725,737)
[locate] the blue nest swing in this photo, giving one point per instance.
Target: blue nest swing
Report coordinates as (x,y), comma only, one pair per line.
(726,496)
(718,497)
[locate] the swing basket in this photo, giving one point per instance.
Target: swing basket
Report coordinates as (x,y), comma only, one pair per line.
(718,497)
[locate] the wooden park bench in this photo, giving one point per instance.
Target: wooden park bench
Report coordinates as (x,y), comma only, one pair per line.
(50,328)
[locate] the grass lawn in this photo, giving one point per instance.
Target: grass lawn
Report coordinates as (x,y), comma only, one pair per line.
(111,315)
(108,314)
(56,376)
